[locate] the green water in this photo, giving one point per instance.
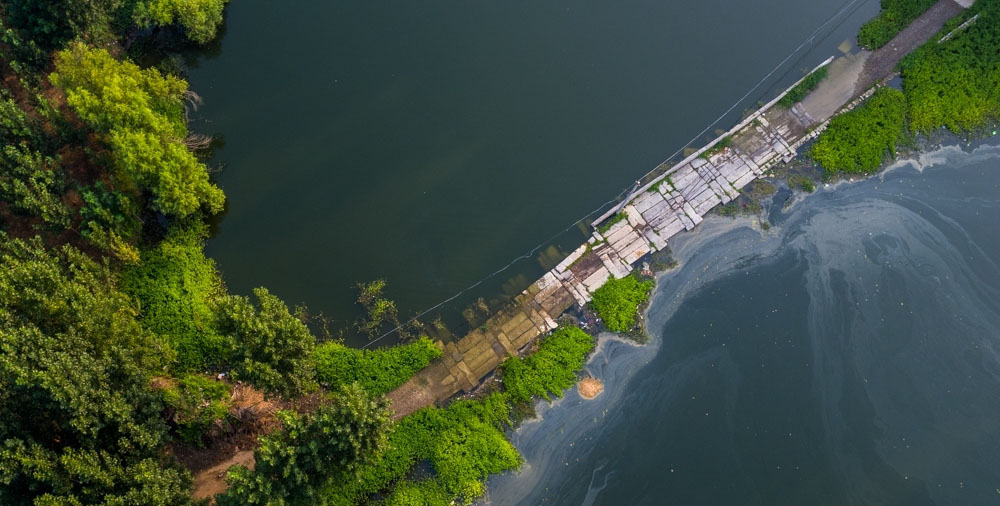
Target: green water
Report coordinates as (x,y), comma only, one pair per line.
(432,143)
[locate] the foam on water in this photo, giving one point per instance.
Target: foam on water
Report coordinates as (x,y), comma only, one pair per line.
(876,311)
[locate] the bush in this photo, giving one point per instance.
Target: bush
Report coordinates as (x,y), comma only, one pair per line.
(176,287)
(894,17)
(859,141)
(617,302)
(464,443)
(956,84)
(799,92)
(419,493)
(272,348)
(196,403)
(551,369)
(377,371)
(296,465)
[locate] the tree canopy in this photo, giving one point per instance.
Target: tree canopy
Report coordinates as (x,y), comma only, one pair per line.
(294,465)
(142,114)
(272,347)
(200,18)
(78,422)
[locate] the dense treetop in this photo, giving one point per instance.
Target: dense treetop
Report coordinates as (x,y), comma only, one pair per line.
(142,113)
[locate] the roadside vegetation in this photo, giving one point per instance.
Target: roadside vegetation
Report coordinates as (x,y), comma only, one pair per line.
(893,18)
(799,92)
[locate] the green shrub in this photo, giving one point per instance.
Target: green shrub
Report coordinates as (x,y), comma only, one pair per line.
(196,403)
(551,369)
(464,443)
(859,141)
(956,84)
(377,371)
(894,17)
(799,92)
(428,492)
(272,348)
(176,286)
(617,302)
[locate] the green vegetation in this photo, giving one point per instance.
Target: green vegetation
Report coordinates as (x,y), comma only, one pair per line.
(272,349)
(550,369)
(723,143)
(141,113)
(78,421)
(617,302)
(199,18)
(894,17)
(464,443)
(195,403)
(176,287)
(859,141)
(294,465)
(803,183)
(377,371)
(610,222)
(799,92)
(956,84)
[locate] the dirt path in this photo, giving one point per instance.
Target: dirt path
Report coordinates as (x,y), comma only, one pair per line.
(213,480)
(883,61)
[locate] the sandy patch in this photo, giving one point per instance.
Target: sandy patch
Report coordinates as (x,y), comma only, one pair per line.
(590,387)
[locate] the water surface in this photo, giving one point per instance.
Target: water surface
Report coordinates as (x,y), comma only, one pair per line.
(432,142)
(846,356)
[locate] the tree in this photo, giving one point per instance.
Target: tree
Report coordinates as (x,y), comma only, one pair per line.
(309,453)
(272,348)
(78,421)
(200,18)
(142,114)
(53,22)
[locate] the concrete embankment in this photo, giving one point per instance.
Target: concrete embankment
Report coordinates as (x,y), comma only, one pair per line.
(670,203)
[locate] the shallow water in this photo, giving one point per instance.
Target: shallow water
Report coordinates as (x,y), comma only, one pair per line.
(846,356)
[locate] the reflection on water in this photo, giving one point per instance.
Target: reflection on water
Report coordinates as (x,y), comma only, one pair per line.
(847,356)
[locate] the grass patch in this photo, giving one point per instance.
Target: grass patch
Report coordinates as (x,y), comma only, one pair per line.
(859,141)
(799,92)
(894,17)
(618,301)
(610,222)
(803,183)
(377,371)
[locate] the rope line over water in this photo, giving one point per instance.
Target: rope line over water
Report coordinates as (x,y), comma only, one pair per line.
(847,8)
